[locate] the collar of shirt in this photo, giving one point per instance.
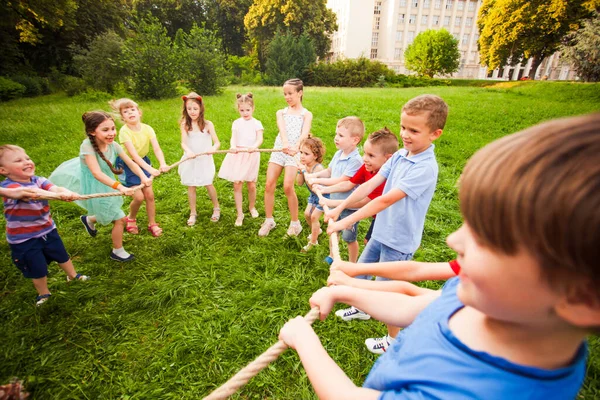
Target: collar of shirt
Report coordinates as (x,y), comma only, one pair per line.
(428,153)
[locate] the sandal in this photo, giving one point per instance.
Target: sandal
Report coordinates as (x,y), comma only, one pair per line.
(239,220)
(254,213)
(216,214)
(131,226)
(41,299)
(192,220)
(155,230)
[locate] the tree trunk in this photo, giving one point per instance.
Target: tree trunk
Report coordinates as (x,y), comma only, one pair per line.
(535,63)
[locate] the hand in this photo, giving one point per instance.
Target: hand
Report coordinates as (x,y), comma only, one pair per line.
(163,168)
(293,150)
(324,299)
(344,266)
(154,172)
(325,202)
(334,227)
(295,330)
(337,277)
(234,150)
(332,214)
(67,195)
(310,181)
(146,181)
(125,190)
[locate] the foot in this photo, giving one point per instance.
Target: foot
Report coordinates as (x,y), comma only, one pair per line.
(131,226)
(328,260)
(78,277)
(309,246)
(239,220)
(320,231)
(115,257)
(266,227)
(41,299)
(191,220)
(351,313)
(155,230)
(294,229)
(378,345)
(216,214)
(253,213)
(88,228)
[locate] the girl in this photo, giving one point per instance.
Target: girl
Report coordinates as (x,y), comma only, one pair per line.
(294,124)
(94,172)
(137,138)
(198,136)
(242,166)
(312,151)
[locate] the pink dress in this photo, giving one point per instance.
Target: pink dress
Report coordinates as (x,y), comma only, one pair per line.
(242,167)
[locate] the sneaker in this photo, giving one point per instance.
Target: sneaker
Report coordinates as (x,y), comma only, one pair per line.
(328,260)
(121,259)
(78,277)
(351,313)
(294,229)
(266,227)
(88,228)
(309,246)
(254,213)
(378,345)
(41,299)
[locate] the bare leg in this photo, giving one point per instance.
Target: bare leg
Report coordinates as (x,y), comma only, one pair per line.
(273,173)
(148,194)
(192,199)
(238,197)
(136,203)
(41,285)
(289,180)
(315,225)
(353,251)
(393,331)
(212,193)
(307,213)
(117,233)
(68,268)
(251,194)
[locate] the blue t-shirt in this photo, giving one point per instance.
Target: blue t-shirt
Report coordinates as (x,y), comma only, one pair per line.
(344,166)
(400,226)
(428,362)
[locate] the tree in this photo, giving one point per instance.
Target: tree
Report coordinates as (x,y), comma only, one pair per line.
(512,31)
(288,57)
(228,19)
(175,14)
(312,17)
(582,50)
(433,52)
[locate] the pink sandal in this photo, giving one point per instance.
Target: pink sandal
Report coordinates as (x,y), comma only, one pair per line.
(155,230)
(133,229)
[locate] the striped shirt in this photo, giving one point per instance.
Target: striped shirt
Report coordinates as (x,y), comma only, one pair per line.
(27,219)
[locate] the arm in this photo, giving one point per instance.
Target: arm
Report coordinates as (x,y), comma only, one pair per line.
(306,125)
(163,167)
(343,186)
(337,277)
(259,139)
(282,131)
(359,194)
(324,173)
(398,270)
(327,378)
(184,138)
(92,164)
(134,167)
(213,135)
(65,194)
(19,193)
(139,160)
(331,181)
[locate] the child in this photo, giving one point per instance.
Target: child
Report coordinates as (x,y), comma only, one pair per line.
(93,172)
(294,124)
(137,137)
(379,147)
(242,166)
(312,151)
(410,178)
(514,323)
(30,231)
(198,136)
(344,164)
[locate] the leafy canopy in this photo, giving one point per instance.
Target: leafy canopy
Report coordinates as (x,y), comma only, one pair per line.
(582,50)
(288,56)
(433,52)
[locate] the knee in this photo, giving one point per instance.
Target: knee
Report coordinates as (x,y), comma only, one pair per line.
(120,223)
(315,218)
(288,189)
(270,187)
(307,215)
(149,196)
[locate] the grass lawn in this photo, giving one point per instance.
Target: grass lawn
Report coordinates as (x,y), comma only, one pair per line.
(199,303)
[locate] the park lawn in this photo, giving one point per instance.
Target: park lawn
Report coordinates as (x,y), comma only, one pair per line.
(199,303)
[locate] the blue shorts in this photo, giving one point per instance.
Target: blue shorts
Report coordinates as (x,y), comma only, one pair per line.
(33,256)
(376,251)
(349,235)
(128,177)
(314,199)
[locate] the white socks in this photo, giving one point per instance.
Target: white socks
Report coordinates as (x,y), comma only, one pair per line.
(121,252)
(90,223)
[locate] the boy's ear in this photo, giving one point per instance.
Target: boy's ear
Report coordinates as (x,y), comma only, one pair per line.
(388,156)
(580,308)
(436,134)
(356,139)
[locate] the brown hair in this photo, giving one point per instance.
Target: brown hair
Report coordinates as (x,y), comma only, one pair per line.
(385,139)
(91,120)
(7,148)
(539,191)
(316,146)
(120,104)
(185,118)
(297,83)
(247,98)
(354,125)
(432,104)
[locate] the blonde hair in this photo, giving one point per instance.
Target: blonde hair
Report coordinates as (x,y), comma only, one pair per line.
(538,191)
(316,146)
(435,106)
(118,105)
(8,148)
(385,140)
(355,126)
(185,117)
(247,98)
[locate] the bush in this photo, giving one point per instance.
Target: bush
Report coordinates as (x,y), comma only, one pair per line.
(10,89)
(360,72)
(244,70)
(288,56)
(90,95)
(73,85)
(402,81)
(34,85)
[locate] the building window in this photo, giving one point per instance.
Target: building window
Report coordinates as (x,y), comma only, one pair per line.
(374,39)
(397,69)
(426,4)
(415,3)
(398,36)
(457,21)
(410,37)
(401,18)
(377,9)
(469,21)
(398,54)
(412,19)
(472,5)
(465,39)
(373,54)
(449,4)
(423,19)
(461,5)
(402,3)
(435,19)
(447,20)
(438,4)
(377,19)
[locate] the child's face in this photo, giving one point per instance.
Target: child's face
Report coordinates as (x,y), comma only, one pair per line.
(105,132)
(374,157)
(507,288)
(245,110)
(343,140)
(307,157)
(193,109)
(292,96)
(131,115)
(17,165)
(416,135)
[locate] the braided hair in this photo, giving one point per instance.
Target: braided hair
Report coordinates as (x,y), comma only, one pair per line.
(91,120)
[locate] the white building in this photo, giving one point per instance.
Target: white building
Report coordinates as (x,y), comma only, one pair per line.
(383,29)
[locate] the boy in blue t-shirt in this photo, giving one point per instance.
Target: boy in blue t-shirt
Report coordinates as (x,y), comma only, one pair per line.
(410,177)
(513,324)
(344,164)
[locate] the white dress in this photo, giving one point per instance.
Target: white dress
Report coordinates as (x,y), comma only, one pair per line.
(199,171)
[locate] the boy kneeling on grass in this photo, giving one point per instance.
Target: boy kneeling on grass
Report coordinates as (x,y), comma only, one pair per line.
(513,324)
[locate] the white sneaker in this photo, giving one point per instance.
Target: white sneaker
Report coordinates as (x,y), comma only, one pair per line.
(78,277)
(351,313)
(266,227)
(294,229)
(254,213)
(378,345)
(309,246)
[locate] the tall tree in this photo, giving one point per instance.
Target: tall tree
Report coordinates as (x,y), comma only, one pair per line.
(288,56)
(582,50)
(512,31)
(228,18)
(176,14)
(433,52)
(310,17)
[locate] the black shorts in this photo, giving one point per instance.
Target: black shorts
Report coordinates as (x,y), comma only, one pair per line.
(33,256)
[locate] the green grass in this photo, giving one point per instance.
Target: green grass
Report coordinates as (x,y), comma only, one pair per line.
(200,303)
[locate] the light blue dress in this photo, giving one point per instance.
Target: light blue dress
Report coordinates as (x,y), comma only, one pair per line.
(75,175)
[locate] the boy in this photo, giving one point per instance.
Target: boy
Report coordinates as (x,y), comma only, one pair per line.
(30,230)
(344,164)
(513,324)
(379,147)
(410,178)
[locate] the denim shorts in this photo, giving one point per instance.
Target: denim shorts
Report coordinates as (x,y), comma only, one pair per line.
(128,177)
(33,256)
(376,251)
(349,235)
